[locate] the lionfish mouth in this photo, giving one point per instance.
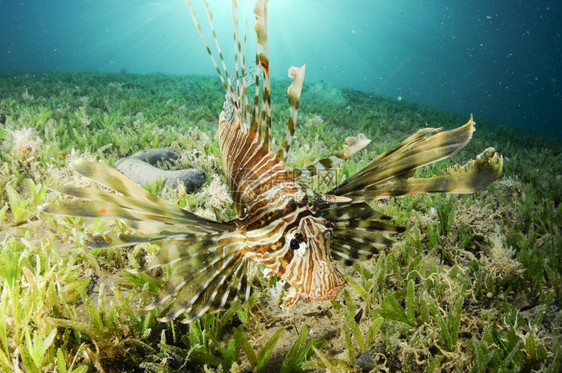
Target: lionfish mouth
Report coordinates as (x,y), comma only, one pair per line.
(293,296)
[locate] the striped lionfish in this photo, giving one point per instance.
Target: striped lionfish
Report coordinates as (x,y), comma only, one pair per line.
(298,234)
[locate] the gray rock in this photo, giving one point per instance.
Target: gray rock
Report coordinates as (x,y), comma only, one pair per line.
(140,167)
(369,360)
(153,156)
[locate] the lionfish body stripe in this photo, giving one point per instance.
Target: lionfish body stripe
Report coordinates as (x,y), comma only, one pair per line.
(298,234)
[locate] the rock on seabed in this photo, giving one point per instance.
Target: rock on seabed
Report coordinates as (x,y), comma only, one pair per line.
(141,168)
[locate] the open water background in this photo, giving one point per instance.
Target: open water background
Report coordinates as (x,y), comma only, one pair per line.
(500,60)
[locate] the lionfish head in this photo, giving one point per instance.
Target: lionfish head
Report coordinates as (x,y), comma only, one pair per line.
(311,271)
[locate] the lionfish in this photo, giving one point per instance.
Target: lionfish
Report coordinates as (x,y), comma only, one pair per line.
(297,234)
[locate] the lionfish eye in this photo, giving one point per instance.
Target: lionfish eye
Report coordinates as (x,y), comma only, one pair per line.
(294,244)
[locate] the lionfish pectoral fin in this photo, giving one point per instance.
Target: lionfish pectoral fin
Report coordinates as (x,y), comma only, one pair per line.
(204,283)
(135,206)
(426,146)
(357,233)
(113,179)
(352,146)
(134,196)
(178,247)
(475,175)
(349,211)
(208,268)
(108,240)
(360,239)
(332,199)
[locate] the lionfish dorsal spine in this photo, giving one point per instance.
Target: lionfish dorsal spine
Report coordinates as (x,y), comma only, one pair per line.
(237,46)
(240,68)
(258,120)
(225,82)
(293,95)
(240,56)
(255,107)
(262,56)
(217,44)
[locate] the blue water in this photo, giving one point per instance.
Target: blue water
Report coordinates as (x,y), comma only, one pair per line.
(501,60)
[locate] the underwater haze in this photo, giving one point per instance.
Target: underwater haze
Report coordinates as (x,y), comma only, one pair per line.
(226,247)
(500,60)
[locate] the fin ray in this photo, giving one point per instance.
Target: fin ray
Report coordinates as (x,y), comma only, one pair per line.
(293,95)
(424,147)
(474,176)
